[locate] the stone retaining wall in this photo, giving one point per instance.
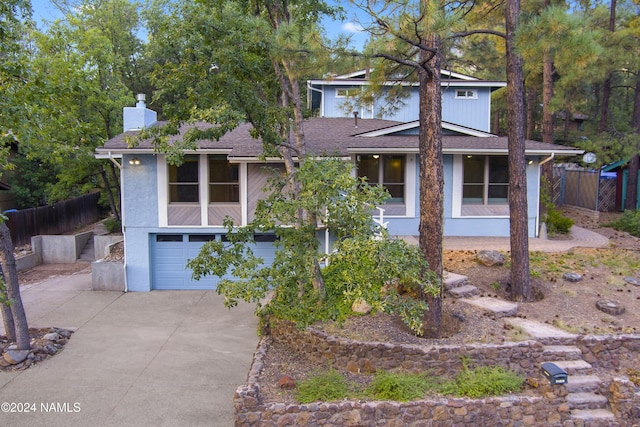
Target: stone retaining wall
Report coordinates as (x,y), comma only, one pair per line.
(547,406)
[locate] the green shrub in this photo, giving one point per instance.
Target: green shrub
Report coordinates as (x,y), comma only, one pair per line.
(400,386)
(483,381)
(112,225)
(629,222)
(325,386)
(558,223)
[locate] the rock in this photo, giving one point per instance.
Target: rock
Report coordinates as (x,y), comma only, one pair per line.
(610,306)
(14,357)
(286,382)
(360,306)
(572,277)
(490,258)
(632,281)
(53,336)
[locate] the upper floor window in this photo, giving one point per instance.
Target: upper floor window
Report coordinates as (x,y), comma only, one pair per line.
(347,92)
(486,180)
(466,94)
(224,183)
(387,170)
(183,181)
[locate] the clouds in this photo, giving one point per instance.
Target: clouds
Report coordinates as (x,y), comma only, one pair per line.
(352,27)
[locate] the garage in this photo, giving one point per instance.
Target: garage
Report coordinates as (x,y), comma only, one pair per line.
(170,253)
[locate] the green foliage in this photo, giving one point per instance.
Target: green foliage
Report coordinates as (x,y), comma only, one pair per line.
(556,222)
(400,386)
(360,266)
(112,225)
(323,386)
(629,222)
(483,381)
(374,270)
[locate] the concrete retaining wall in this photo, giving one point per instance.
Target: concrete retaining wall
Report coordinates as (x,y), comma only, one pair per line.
(107,276)
(102,244)
(64,249)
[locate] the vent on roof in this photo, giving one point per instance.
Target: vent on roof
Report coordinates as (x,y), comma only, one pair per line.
(355,116)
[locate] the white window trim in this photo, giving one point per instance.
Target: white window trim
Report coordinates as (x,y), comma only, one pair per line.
(474,94)
(458,184)
(355,89)
(203,176)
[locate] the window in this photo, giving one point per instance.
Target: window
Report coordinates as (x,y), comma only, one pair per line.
(347,92)
(183,181)
(224,184)
(387,170)
(466,94)
(486,180)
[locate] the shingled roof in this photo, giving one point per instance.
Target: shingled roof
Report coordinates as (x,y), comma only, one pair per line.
(339,136)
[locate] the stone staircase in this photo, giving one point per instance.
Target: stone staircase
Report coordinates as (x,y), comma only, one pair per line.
(587,405)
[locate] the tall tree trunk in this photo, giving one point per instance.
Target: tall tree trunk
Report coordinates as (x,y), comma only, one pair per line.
(547,94)
(107,186)
(10,270)
(606,87)
(635,118)
(431,177)
(116,180)
(532,96)
(519,233)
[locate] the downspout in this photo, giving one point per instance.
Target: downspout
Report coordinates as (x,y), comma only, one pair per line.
(551,157)
(309,98)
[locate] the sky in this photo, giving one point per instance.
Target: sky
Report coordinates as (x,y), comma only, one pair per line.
(45,10)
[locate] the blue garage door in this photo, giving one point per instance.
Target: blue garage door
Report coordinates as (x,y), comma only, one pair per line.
(170,253)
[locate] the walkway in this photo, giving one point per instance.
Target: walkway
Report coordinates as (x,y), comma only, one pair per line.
(580,237)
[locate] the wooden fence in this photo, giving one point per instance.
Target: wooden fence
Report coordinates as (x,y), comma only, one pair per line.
(583,188)
(59,218)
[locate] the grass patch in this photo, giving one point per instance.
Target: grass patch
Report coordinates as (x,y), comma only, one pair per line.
(324,386)
(484,381)
(400,386)
(331,385)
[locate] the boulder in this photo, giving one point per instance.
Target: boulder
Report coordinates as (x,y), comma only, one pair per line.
(360,306)
(53,336)
(632,281)
(610,306)
(14,357)
(286,382)
(490,258)
(572,277)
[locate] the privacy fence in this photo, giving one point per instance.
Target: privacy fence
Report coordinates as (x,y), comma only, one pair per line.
(59,218)
(583,188)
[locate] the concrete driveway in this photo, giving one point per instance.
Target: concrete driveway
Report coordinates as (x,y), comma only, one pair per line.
(165,358)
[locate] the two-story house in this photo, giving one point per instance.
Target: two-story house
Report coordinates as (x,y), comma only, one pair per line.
(169,211)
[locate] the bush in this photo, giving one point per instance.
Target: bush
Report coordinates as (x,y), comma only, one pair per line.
(558,223)
(629,222)
(402,387)
(325,386)
(112,225)
(483,381)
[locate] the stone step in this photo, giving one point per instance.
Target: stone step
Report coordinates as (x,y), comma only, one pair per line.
(573,367)
(539,330)
(593,415)
(565,352)
(582,383)
(493,305)
(453,280)
(465,291)
(586,400)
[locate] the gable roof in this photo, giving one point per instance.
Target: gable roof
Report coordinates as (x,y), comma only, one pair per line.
(448,79)
(340,136)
